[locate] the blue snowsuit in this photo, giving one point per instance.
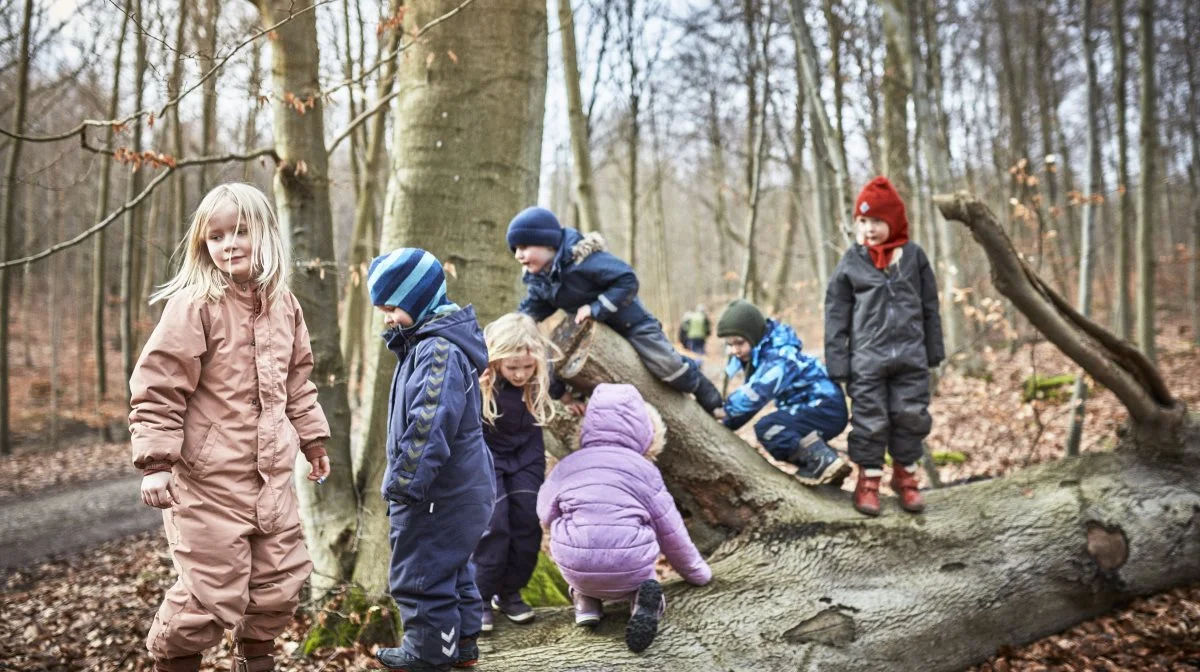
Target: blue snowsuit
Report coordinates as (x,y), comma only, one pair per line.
(584,273)
(507,554)
(806,400)
(438,481)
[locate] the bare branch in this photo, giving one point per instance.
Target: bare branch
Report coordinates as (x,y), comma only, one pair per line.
(357,121)
(384,59)
(1114,363)
(83,125)
(116,214)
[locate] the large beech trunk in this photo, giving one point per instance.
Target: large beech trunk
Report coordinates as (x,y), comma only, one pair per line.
(802,581)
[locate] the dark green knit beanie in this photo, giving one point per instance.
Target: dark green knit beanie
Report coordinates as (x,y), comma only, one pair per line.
(742,318)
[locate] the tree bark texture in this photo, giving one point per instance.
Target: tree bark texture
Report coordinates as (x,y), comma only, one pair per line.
(466,157)
(1125,224)
(7,225)
(330,511)
(581,155)
(133,216)
(1145,195)
(802,582)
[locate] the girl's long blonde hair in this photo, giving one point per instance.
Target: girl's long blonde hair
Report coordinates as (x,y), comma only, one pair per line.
(517,335)
(200,278)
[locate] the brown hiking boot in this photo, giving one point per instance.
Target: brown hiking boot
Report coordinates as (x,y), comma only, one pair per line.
(866,494)
(253,655)
(908,490)
(182,664)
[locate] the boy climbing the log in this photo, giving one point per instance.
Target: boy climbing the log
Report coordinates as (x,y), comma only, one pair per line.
(438,484)
(809,407)
(883,333)
(565,269)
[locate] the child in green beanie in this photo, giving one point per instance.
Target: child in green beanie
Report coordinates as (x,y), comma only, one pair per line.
(809,407)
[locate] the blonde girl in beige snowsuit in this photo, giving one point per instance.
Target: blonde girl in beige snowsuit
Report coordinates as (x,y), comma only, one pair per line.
(222,404)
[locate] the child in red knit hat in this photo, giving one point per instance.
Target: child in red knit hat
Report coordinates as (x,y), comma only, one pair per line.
(883,333)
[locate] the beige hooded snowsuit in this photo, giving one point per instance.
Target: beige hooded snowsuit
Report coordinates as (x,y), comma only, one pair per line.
(221,398)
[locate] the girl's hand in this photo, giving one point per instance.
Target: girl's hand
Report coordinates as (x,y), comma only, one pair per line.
(157,490)
(320,469)
(574,406)
(583,314)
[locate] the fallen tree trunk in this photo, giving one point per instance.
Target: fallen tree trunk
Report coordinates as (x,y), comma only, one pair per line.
(804,582)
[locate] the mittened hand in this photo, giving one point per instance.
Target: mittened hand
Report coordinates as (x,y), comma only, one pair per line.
(319,469)
(157,491)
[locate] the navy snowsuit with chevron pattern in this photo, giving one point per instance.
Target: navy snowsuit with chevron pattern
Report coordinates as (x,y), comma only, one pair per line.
(438,483)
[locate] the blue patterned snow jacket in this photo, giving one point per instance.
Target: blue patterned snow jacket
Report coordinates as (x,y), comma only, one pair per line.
(435,447)
(582,273)
(778,370)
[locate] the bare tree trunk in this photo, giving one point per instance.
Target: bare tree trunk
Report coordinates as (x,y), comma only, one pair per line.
(28,219)
(353,108)
(837,30)
(1079,395)
(897,78)
(7,224)
(208,121)
(178,213)
(250,137)
(812,85)
(1044,58)
(1193,106)
(330,512)
(54,302)
(716,145)
(664,307)
(794,221)
(750,284)
(581,155)
(99,255)
(364,245)
(1145,207)
(130,233)
(453,176)
(937,157)
(634,131)
(1121,310)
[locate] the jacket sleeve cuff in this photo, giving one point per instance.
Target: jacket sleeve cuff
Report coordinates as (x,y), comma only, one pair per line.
(155,467)
(314,451)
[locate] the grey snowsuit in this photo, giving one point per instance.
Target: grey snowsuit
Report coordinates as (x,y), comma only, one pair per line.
(882,335)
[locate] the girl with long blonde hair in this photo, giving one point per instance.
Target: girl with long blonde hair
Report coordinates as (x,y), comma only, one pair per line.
(222,404)
(518,389)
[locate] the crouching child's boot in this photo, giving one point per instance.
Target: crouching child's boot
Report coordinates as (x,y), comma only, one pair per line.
(182,664)
(904,482)
(817,463)
(647,609)
(254,655)
(866,491)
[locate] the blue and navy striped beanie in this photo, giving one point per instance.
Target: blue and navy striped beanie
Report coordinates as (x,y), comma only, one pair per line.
(409,278)
(534,226)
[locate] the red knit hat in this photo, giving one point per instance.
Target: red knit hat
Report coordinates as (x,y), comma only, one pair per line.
(880,200)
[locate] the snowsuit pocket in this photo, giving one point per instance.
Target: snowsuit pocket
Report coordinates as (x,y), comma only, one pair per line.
(196,459)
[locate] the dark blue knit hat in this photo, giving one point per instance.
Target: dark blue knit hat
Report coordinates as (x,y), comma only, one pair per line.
(534,226)
(409,278)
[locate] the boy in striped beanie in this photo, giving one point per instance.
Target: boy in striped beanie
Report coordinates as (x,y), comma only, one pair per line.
(438,481)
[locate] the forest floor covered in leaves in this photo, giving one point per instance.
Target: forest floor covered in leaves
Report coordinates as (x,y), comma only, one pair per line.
(89,610)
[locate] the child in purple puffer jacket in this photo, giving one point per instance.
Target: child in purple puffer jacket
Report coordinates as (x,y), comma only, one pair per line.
(609,513)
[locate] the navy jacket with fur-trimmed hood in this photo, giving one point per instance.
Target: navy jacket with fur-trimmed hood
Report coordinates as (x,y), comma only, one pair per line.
(435,446)
(878,320)
(585,273)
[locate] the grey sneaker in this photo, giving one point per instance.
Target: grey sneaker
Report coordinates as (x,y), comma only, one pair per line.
(818,463)
(588,610)
(488,621)
(399,659)
(513,607)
